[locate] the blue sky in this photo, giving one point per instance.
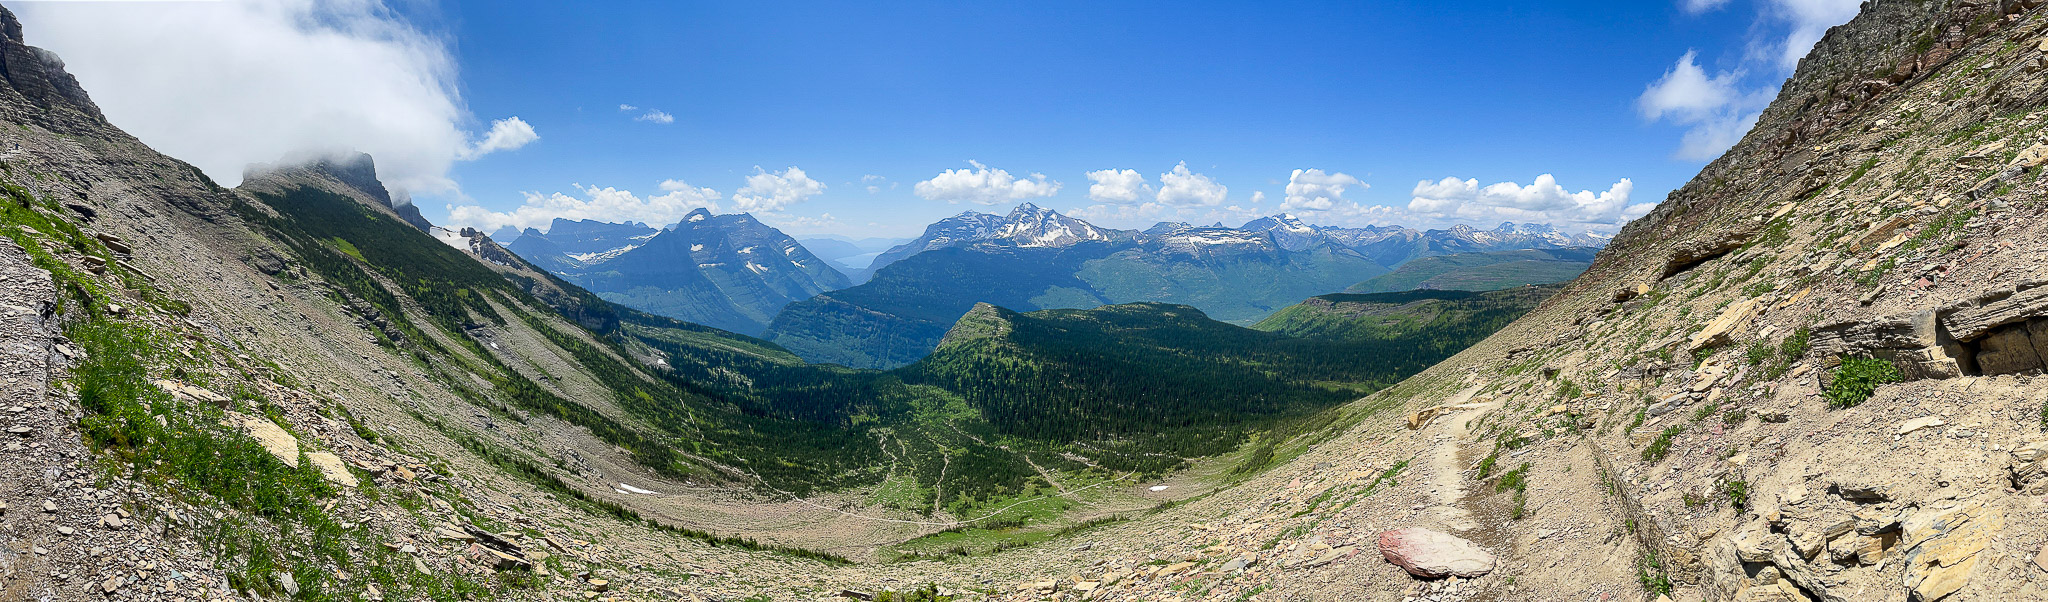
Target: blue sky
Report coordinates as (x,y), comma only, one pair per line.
(1213,107)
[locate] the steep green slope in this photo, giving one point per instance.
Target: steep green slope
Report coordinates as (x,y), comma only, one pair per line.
(1443,322)
(1237,288)
(1156,382)
(1482,271)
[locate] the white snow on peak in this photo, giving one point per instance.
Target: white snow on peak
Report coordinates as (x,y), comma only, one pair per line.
(602,255)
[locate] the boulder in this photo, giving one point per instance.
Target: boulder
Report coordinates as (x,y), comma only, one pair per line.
(331,467)
(2029,466)
(1431,554)
(273,437)
(1717,332)
(1942,547)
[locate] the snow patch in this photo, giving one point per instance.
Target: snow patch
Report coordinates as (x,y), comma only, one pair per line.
(604,255)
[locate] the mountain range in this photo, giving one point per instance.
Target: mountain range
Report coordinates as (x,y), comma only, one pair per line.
(1035,258)
(725,271)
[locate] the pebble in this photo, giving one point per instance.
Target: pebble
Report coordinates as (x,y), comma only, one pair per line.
(66,530)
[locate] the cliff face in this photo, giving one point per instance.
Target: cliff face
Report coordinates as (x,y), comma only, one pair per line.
(39,89)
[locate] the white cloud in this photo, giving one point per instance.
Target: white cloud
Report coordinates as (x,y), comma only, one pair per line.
(506,134)
(1714,109)
(653,116)
(800,223)
(984,185)
(873,183)
(1117,186)
(1809,20)
(775,191)
(1181,187)
(223,85)
(1542,201)
(1122,212)
(1258,196)
(1718,110)
(627,107)
(1695,7)
(603,204)
(1687,94)
(1315,190)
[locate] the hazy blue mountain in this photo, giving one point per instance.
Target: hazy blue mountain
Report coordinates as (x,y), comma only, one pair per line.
(726,271)
(1033,259)
(1483,271)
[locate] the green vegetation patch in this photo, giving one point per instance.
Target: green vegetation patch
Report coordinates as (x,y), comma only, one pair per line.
(1857,379)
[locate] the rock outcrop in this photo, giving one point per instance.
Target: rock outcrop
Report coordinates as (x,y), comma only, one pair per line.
(1432,554)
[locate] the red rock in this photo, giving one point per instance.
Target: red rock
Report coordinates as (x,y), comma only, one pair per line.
(1432,554)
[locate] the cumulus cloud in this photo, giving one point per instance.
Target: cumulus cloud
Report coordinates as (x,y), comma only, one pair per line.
(800,223)
(656,117)
(766,191)
(1715,111)
(1118,186)
(984,185)
(1808,21)
(874,183)
(1181,187)
(505,134)
(223,85)
(1543,201)
(1316,190)
(677,199)
(1123,212)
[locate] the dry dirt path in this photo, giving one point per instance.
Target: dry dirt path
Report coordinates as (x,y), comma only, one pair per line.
(1447,458)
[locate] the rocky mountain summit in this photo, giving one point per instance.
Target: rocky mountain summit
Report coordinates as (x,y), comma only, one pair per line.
(726,271)
(1032,226)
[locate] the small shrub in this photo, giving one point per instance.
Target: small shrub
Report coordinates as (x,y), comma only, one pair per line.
(1569,390)
(1737,492)
(1857,379)
(1517,481)
(1661,447)
(1705,411)
(1875,275)
(1794,347)
(1650,572)
(1860,171)
(1758,352)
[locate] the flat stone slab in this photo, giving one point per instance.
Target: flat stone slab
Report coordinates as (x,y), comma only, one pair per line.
(1432,554)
